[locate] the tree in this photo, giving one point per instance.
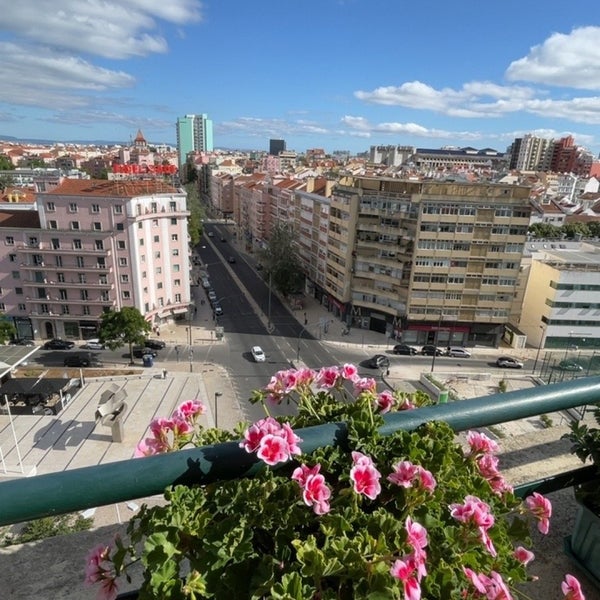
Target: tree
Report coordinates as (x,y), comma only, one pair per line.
(573,228)
(544,230)
(6,164)
(7,329)
(5,181)
(281,263)
(196,213)
(125,326)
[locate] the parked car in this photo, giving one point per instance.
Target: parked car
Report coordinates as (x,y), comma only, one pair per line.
(93,344)
(231,259)
(141,351)
(211,234)
(21,342)
(217,309)
(379,361)
(430,350)
(259,267)
(58,344)
(508,362)
(404,349)
(212,295)
(223,239)
(257,354)
(569,365)
(80,359)
(458,352)
(205,283)
(155,344)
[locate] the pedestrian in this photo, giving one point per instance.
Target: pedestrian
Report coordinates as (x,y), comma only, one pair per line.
(195,310)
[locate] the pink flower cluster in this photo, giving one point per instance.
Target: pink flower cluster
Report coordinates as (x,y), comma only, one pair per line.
(272,441)
(541,509)
(476,513)
(315,491)
(171,434)
(407,475)
(98,569)
(492,587)
(411,569)
(482,450)
(364,476)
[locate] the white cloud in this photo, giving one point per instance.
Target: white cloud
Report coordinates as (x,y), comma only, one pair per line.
(258,127)
(565,60)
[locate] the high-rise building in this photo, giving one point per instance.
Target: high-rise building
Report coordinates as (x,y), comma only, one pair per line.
(276,146)
(194,134)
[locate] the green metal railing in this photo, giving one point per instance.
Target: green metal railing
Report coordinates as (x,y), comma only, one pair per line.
(79,489)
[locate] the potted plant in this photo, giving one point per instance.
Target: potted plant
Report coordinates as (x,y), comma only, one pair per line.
(584,544)
(409,515)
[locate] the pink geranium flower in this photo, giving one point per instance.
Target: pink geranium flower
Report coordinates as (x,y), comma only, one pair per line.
(98,569)
(541,509)
(523,555)
(364,384)
(348,372)
(303,472)
(481,443)
(364,476)
(273,449)
(317,493)
(404,570)
(384,401)
(190,410)
(571,588)
(327,377)
(417,534)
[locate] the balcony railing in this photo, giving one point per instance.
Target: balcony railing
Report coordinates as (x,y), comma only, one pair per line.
(88,487)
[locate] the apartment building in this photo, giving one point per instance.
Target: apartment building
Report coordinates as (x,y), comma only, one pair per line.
(561,305)
(426,262)
(194,134)
(91,246)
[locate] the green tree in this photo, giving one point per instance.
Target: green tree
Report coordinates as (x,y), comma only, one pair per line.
(121,327)
(281,263)
(7,329)
(573,228)
(6,164)
(196,213)
(5,182)
(544,230)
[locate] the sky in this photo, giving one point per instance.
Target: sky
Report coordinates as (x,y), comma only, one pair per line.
(331,74)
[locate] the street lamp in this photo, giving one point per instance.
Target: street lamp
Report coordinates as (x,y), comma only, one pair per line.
(217,394)
(191,310)
(435,341)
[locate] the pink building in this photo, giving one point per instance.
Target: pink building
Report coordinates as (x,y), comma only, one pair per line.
(92,246)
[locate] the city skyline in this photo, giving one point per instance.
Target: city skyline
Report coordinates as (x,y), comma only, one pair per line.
(332,74)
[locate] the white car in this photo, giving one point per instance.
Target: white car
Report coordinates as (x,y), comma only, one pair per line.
(458,352)
(94,344)
(257,354)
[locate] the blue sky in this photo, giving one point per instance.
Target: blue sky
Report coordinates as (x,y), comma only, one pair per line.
(332,74)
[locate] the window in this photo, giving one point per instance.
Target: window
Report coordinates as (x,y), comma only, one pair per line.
(34,242)
(156,239)
(72,207)
(65,309)
(60,277)
(12,257)
(77,245)
(22,307)
(75,225)
(18,291)
(140,225)
(120,227)
(175,252)
(50,206)
(118,209)
(83,294)
(44,309)
(86,310)
(97,226)
(143,258)
(126,294)
(174,237)
(10,240)
(38,259)
(80,262)
(177,298)
(161,302)
(159,285)
(63,294)
(96,208)
(141,241)
(157,254)
(2,306)
(122,262)
(145,291)
(155,222)
(52,224)
(172,206)
(81,277)
(154,207)
(58,261)
(173,221)
(99,244)
(125,278)
(103,279)
(176,268)
(55,243)
(121,245)
(158,270)
(177,282)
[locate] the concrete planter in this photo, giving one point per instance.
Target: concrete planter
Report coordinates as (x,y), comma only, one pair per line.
(583,545)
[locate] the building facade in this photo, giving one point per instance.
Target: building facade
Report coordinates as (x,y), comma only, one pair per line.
(97,245)
(194,134)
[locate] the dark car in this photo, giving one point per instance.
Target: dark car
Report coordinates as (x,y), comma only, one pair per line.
(404,349)
(231,259)
(223,239)
(569,365)
(217,309)
(20,342)
(430,350)
(80,359)
(141,351)
(155,344)
(379,361)
(58,344)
